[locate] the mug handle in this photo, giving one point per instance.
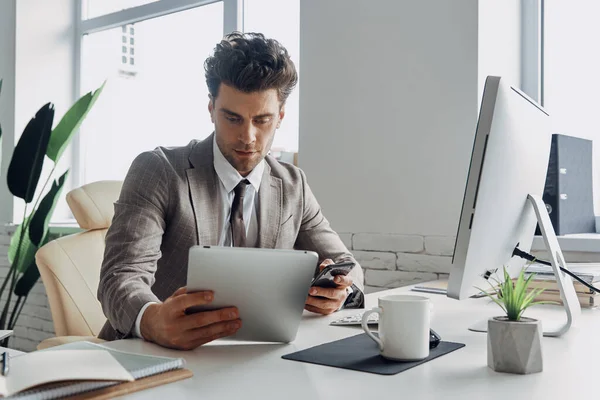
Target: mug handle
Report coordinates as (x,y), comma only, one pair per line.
(365,326)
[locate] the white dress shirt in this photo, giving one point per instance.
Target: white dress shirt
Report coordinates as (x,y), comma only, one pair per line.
(229,179)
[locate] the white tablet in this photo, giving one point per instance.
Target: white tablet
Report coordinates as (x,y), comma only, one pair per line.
(268,286)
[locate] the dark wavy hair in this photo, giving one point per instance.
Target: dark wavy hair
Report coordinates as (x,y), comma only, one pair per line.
(250,63)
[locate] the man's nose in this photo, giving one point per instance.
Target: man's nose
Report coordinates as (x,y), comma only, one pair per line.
(248,133)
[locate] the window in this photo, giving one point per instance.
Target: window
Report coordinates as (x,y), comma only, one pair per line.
(96,8)
(157,99)
(152,57)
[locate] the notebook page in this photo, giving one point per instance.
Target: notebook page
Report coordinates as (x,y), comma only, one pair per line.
(139,365)
(38,368)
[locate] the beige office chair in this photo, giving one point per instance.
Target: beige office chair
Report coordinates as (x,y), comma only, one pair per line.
(70,265)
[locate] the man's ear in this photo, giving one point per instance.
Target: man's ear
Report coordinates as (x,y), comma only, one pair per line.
(281,115)
(211,108)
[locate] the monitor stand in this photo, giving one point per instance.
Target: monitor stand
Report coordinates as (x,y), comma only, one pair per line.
(565,283)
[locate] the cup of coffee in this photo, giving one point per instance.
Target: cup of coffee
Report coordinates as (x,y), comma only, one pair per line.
(403,327)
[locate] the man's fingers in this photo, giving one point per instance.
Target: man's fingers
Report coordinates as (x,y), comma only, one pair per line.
(310,308)
(185,301)
(317,310)
(325,263)
(206,318)
(328,293)
(220,329)
(322,303)
(343,281)
(180,291)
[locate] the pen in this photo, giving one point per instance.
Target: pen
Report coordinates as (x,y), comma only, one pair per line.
(5,357)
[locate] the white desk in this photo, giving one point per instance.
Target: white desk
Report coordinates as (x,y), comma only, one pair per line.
(223,370)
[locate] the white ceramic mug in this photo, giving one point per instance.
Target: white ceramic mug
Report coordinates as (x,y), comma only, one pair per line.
(403,327)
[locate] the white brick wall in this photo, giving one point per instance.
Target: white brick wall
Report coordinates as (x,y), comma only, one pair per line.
(392,260)
(439,245)
(387,242)
(35,322)
(375,259)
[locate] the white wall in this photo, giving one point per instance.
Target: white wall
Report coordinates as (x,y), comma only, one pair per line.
(572,64)
(499,44)
(388,108)
(44,69)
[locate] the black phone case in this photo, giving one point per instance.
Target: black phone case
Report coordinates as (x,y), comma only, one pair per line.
(325,277)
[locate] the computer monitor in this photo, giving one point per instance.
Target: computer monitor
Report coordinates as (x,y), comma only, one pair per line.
(506,174)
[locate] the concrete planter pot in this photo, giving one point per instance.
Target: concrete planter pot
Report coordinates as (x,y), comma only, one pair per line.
(514,347)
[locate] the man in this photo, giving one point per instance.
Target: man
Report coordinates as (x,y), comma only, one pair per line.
(223,191)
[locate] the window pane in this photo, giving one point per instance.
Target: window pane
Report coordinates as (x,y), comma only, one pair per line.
(96,8)
(285,28)
(159,98)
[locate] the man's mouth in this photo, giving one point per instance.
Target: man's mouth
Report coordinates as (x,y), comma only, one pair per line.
(244,153)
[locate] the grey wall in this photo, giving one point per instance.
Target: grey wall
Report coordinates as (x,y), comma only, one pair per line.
(7,99)
(388,105)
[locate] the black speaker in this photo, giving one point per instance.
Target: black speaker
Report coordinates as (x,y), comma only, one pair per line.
(568,192)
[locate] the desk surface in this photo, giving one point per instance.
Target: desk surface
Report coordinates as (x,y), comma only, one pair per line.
(224,370)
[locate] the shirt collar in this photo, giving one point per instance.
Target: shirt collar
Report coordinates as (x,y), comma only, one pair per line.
(229,175)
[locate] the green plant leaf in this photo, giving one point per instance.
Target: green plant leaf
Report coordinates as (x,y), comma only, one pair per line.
(28,249)
(491,296)
(513,297)
(28,157)
(27,280)
(70,123)
(38,229)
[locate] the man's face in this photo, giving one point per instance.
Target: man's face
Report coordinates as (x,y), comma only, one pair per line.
(245,125)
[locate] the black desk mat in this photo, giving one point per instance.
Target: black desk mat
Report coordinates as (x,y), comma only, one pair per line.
(360,353)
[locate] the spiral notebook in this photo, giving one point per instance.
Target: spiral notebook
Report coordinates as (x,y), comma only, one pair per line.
(139,366)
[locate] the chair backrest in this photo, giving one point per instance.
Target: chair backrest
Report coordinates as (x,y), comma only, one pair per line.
(70,265)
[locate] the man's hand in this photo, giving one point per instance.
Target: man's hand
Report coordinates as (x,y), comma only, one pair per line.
(168,325)
(328,300)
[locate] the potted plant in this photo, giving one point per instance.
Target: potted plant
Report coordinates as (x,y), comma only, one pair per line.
(38,142)
(514,342)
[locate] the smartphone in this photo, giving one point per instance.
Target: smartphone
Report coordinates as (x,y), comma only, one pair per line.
(325,277)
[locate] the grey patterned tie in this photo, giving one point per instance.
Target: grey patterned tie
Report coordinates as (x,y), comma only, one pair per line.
(238,228)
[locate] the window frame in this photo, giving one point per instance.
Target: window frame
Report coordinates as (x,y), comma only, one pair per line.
(532,49)
(233,20)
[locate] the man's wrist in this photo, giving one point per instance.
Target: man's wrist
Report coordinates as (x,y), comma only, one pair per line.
(147,317)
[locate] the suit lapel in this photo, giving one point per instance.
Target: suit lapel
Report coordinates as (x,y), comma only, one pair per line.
(204,192)
(270,199)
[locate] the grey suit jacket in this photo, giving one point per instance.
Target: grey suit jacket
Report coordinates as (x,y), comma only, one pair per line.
(169,202)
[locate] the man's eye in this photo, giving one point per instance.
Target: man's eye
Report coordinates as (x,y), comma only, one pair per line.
(232,119)
(263,121)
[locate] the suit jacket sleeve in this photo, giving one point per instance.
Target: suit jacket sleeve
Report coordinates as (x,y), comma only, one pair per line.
(133,243)
(316,235)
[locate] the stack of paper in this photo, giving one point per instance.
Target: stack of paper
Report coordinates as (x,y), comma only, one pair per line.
(545,279)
